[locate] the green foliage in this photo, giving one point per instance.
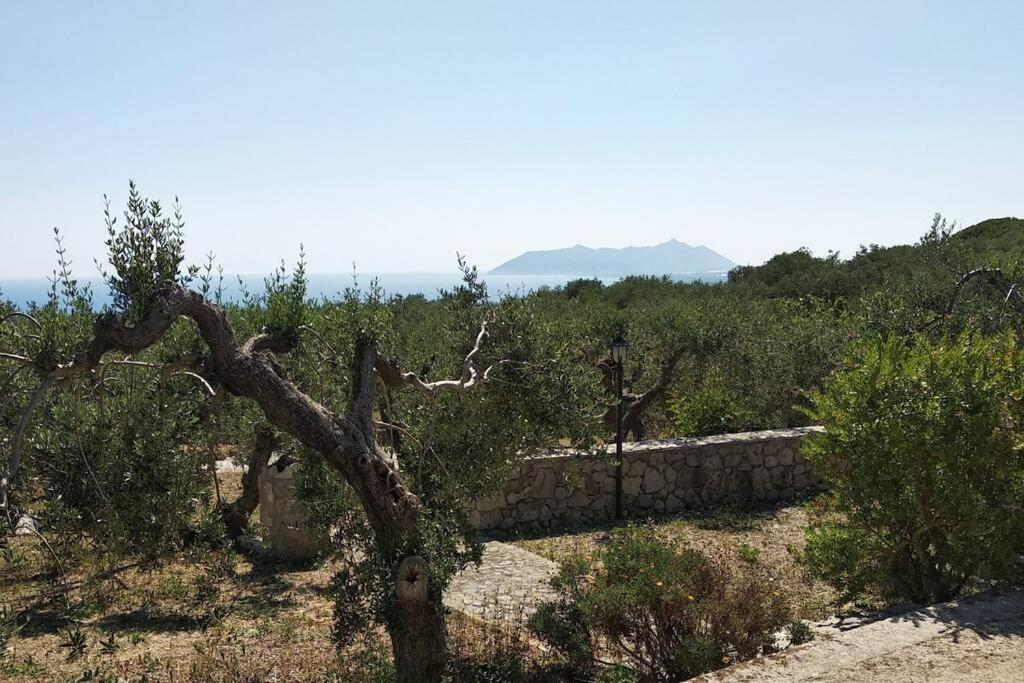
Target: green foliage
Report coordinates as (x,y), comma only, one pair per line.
(668,613)
(75,642)
(285,297)
(122,469)
(749,553)
(712,409)
(145,253)
(370,663)
(11,623)
(117,459)
(924,453)
(562,623)
(498,653)
(873,268)
(799,632)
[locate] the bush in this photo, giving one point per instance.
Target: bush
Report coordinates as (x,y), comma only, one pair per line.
(712,409)
(923,450)
(667,613)
(799,632)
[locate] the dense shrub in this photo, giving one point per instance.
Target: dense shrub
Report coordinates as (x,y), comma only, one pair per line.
(667,613)
(712,409)
(923,449)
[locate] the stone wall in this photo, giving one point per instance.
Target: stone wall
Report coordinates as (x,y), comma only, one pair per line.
(568,488)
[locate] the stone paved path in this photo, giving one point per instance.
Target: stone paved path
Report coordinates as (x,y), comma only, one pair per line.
(976,640)
(509,584)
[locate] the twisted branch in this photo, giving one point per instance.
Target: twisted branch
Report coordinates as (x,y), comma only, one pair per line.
(995,277)
(249,371)
(393,376)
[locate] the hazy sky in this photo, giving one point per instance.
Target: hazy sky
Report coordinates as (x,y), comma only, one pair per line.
(395,134)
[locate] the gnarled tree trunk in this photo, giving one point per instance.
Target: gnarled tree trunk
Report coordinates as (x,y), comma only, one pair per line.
(347,441)
(634,405)
(236,515)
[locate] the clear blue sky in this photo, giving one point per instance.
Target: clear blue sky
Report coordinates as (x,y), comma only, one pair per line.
(395,134)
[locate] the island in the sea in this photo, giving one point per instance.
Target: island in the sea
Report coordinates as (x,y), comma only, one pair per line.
(668,258)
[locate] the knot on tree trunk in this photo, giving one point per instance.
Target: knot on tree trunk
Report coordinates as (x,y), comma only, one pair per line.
(406,501)
(413,579)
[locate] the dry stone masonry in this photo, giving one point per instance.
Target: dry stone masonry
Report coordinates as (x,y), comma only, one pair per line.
(568,488)
(284,516)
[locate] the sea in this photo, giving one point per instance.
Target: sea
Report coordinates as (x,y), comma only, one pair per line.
(325,285)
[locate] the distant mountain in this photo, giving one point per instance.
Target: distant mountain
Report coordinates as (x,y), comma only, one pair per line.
(669,258)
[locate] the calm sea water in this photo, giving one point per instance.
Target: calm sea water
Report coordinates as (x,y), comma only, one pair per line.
(23,291)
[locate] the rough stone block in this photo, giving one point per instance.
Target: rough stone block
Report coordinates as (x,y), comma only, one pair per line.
(630,485)
(653,480)
(284,516)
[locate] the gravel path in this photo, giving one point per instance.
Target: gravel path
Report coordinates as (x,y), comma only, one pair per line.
(510,583)
(979,639)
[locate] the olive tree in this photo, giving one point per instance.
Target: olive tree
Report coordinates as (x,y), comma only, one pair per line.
(509,391)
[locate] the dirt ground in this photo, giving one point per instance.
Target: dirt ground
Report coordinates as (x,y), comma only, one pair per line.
(199,616)
(179,621)
(976,640)
(225,617)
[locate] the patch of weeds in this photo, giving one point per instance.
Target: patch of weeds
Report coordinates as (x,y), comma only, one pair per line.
(214,617)
(749,553)
(289,628)
(136,637)
(799,632)
(10,625)
(12,558)
(207,588)
(109,644)
(173,587)
(27,667)
(369,663)
(76,644)
(815,609)
(616,673)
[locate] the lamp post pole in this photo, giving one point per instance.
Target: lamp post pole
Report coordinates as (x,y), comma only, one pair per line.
(619,514)
(619,349)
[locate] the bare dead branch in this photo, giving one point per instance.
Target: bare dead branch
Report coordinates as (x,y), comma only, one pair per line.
(393,376)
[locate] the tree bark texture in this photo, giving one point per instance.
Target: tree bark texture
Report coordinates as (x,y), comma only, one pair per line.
(347,441)
(236,515)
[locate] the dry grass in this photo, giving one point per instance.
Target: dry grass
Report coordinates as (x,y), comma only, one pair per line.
(771,538)
(217,616)
(230,620)
(201,616)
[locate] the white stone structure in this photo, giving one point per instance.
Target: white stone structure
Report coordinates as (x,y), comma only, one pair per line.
(284,516)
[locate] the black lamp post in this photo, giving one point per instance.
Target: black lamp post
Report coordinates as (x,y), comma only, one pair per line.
(620,350)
